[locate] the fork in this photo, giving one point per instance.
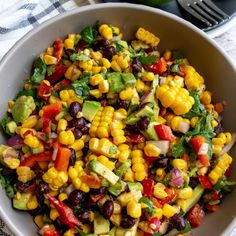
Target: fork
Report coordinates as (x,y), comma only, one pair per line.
(205,11)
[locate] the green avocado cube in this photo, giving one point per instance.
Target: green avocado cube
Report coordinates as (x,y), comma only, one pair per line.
(129,79)
(115,82)
(90,108)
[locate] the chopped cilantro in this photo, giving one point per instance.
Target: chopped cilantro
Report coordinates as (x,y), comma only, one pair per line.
(149,203)
(81,87)
(89,34)
(27,92)
(6,184)
(39,71)
(4,123)
(147,60)
(224,184)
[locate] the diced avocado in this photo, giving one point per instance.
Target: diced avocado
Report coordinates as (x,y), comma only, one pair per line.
(117,188)
(11,127)
(115,82)
(101,225)
(124,232)
(90,109)
(150,133)
(21,203)
(124,198)
(197,193)
(128,79)
(22,108)
(102,170)
(135,117)
(123,168)
(9,156)
(112,232)
(134,102)
(135,186)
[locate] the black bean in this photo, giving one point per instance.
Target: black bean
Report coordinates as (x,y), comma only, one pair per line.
(77,133)
(69,52)
(178,222)
(74,108)
(77,123)
(218,129)
(107,209)
(75,197)
(81,45)
(84,216)
(161,162)
(41,189)
(109,51)
(22,187)
(72,157)
(143,123)
(85,130)
(101,44)
(127,222)
(7,171)
(96,191)
(193,182)
(136,65)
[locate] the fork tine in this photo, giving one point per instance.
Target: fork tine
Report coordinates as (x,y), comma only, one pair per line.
(204,6)
(203,13)
(195,14)
(215,8)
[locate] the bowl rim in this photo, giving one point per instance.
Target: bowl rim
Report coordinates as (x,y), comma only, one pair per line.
(87,8)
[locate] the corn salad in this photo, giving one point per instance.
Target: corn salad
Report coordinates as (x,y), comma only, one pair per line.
(114,137)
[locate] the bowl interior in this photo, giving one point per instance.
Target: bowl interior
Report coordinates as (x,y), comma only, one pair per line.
(203,54)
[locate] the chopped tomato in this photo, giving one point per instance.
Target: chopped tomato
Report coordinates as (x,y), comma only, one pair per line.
(148,187)
(149,160)
(33,159)
(229,171)
(135,138)
(158,67)
(91,181)
(51,232)
(164,132)
(205,182)
(196,215)
(197,142)
(47,126)
(62,158)
(58,49)
(44,90)
(171,195)
(219,107)
(51,110)
(212,208)
(64,83)
(154,224)
(58,73)
(204,160)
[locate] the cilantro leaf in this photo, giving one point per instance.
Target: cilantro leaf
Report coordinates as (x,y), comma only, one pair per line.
(181,147)
(89,34)
(147,60)
(27,92)
(149,203)
(224,184)
(119,46)
(78,57)
(39,71)
(6,184)
(197,109)
(4,127)
(81,87)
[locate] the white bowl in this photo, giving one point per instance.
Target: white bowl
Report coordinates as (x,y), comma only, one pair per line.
(209,60)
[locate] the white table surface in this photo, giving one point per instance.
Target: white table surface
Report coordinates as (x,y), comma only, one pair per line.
(227,41)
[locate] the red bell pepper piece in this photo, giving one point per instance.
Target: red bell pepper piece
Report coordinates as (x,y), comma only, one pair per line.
(51,110)
(156,202)
(33,159)
(205,182)
(64,83)
(154,224)
(66,213)
(47,126)
(212,208)
(196,215)
(148,187)
(164,132)
(204,160)
(197,142)
(158,67)
(58,73)
(135,138)
(44,90)
(171,195)
(58,49)
(51,232)
(91,181)
(62,158)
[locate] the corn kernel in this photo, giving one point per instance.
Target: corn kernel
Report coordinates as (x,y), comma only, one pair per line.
(134,209)
(49,60)
(69,43)
(179,163)
(139,176)
(152,150)
(148,76)
(185,193)
(53,214)
(168,210)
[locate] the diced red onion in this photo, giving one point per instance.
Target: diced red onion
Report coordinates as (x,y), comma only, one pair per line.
(183,127)
(143,99)
(54,135)
(162,80)
(69,189)
(54,154)
(177,181)
(203,150)
(228,146)
(15,142)
(154,53)
(162,144)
